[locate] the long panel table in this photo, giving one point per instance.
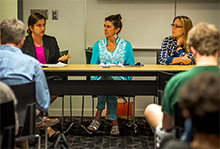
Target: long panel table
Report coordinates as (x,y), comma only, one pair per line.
(86,86)
(109,87)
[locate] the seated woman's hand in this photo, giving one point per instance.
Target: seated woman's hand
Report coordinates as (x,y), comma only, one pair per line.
(64,57)
(180,41)
(186,60)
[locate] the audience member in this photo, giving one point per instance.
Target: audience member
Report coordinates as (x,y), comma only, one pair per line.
(19,68)
(200,101)
(173,48)
(6,95)
(113,50)
(203,41)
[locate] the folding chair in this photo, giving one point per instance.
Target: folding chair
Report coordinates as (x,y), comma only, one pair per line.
(7,124)
(26,109)
(164,77)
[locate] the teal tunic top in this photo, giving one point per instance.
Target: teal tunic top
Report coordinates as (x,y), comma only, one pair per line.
(123,54)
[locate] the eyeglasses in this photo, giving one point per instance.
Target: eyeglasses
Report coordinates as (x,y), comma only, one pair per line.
(176,26)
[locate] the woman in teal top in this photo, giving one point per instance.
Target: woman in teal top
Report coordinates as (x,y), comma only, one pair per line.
(111,50)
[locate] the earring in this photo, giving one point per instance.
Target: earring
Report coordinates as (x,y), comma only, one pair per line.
(115,35)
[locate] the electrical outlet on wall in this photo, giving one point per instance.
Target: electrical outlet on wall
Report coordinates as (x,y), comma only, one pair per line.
(43,12)
(54,14)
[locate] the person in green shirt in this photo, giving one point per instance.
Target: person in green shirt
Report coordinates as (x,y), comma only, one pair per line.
(200,101)
(204,42)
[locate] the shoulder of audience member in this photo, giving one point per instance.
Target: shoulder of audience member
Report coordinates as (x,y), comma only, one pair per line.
(29,58)
(179,77)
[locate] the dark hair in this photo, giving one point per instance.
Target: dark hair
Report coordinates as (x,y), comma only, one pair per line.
(116,21)
(33,18)
(201,97)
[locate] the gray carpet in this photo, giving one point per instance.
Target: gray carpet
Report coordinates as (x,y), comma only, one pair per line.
(78,138)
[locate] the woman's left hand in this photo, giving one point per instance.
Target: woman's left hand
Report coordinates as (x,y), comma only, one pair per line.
(186,60)
(64,57)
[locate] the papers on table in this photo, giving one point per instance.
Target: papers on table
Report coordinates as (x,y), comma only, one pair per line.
(111,65)
(138,64)
(59,64)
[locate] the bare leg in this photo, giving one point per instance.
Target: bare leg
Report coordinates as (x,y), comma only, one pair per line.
(114,123)
(154,115)
(98,115)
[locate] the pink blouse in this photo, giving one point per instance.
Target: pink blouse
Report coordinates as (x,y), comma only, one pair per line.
(40,54)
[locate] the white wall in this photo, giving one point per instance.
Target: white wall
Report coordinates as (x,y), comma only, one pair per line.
(8,9)
(68,29)
(200,12)
(145,24)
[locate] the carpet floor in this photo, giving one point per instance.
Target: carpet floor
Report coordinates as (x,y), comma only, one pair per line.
(78,138)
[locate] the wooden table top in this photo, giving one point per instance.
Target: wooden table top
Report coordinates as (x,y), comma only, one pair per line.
(90,67)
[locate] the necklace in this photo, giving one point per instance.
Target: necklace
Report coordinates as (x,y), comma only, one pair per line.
(38,45)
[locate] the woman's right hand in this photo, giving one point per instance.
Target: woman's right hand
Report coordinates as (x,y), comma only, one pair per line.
(180,42)
(64,57)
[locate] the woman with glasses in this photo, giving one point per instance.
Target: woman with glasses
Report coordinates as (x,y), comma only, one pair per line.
(111,50)
(173,49)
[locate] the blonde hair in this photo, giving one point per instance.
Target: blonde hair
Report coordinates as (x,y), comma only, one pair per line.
(204,37)
(187,25)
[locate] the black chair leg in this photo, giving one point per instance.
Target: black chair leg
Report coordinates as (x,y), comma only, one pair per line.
(82,118)
(82,109)
(71,119)
(133,122)
(92,107)
(61,135)
(128,107)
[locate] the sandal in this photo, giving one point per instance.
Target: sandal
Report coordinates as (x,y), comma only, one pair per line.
(94,126)
(114,130)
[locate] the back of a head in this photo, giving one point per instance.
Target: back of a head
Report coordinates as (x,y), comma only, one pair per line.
(12,31)
(201,97)
(204,38)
